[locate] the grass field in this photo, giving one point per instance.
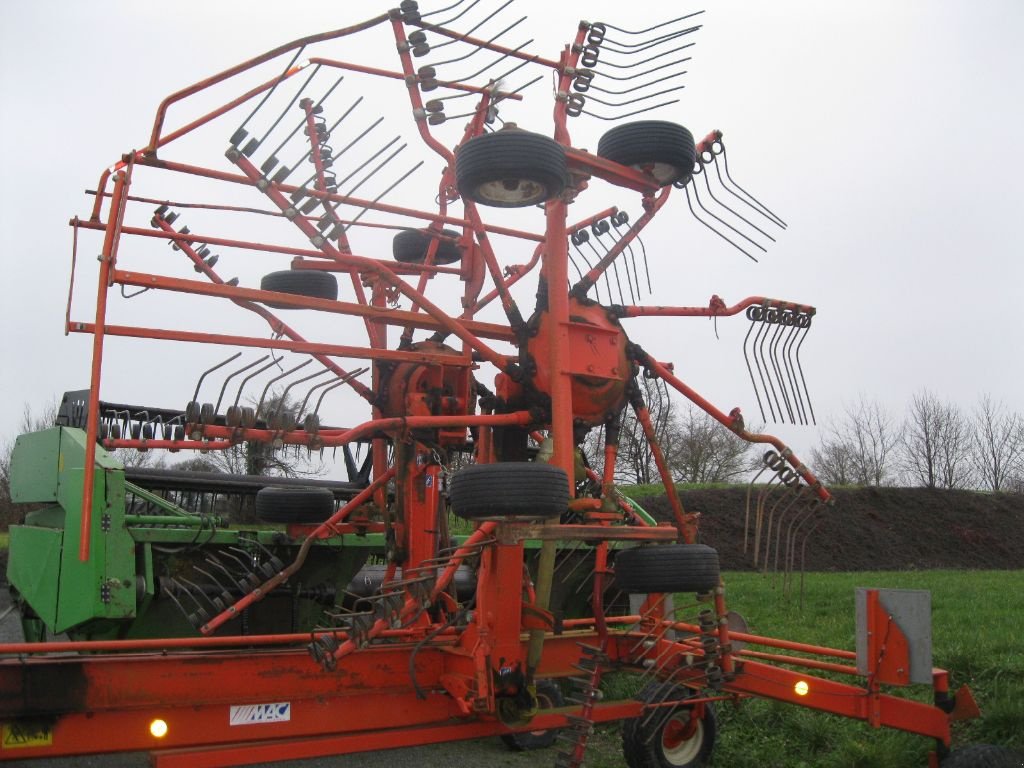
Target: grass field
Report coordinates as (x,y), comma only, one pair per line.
(977,634)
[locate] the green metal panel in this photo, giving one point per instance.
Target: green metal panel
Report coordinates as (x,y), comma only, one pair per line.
(34,568)
(35,464)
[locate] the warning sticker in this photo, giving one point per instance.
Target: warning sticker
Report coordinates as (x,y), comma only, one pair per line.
(20,735)
(255,714)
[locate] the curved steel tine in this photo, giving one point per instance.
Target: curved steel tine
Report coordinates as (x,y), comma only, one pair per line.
(208,371)
(637,99)
(472,29)
(590,266)
(800,369)
(277,378)
(707,183)
(651,29)
(479,72)
(284,394)
(377,199)
(762,498)
(370,159)
(301,123)
(611,118)
(223,389)
(773,347)
(280,78)
(442,10)
(647,60)
(645,45)
(803,556)
(746,516)
(302,408)
(689,203)
(762,206)
(505,94)
(335,385)
(797,495)
(257,372)
(636,75)
(791,533)
(723,222)
(634,88)
(787,358)
(446,22)
(303,187)
(284,112)
(750,371)
(478,48)
(615,268)
(763,336)
(742,199)
(786,490)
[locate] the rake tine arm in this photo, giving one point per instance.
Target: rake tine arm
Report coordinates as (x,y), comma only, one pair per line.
(733,421)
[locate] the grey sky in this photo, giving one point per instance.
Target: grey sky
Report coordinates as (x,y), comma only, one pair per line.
(885,134)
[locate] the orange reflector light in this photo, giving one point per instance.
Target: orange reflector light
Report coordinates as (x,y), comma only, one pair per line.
(158,728)
(801,688)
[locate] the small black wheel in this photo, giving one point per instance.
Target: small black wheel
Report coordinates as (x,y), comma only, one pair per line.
(410,247)
(665,150)
(549,696)
(514,489)
(983,756)
(275,504)
(667,737)
(510,168)
(667,568)
(300,282)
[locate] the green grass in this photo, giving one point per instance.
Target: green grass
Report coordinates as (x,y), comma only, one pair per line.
(977,634)
(4,539)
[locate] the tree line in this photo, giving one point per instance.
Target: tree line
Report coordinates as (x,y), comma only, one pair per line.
(936,444)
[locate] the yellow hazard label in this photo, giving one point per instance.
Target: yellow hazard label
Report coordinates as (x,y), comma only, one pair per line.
(20,735)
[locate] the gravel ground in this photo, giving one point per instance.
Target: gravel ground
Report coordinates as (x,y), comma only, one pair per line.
(481,752)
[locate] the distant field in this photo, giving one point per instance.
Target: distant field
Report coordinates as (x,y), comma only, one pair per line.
(977,634)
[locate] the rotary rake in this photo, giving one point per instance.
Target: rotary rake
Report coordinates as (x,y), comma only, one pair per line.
(475,575)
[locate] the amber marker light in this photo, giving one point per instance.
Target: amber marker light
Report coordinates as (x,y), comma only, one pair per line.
(801,688)
(158,728)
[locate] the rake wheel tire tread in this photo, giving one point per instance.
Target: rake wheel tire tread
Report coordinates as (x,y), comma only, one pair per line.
(667,568)
(300,282)
(410,247)
(533,167)
(668,146)
(514,489)
(549,696)
(643,743)
(276,504)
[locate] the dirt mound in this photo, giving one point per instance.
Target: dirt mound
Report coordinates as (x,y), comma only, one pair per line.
(888,529)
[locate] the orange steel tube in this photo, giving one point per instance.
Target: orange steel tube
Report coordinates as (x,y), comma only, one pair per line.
(752,437)
(799,661)
(106,266)
(686,527)
(772,642)
(332,437)
(715,310)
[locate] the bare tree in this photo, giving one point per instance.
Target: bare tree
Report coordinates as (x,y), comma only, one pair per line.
(260,458)
(998,445)
(706,452)
(636,463)
(833,462)
(863,443)
(937,445)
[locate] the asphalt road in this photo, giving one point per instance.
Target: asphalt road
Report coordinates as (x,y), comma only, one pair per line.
(482,752)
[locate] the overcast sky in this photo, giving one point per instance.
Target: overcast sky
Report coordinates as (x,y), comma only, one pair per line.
(886,134)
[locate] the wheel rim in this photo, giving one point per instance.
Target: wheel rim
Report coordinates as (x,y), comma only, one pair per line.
(682,739)
(512,192)
(664,173)
(543,702)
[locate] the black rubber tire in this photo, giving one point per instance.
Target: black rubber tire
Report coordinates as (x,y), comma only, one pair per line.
(410,247)
(300,282)
(667,147)
(983,756)
(510,169)
(522,490)
(667,568)
(645,743)
(294,505)
(549,696)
